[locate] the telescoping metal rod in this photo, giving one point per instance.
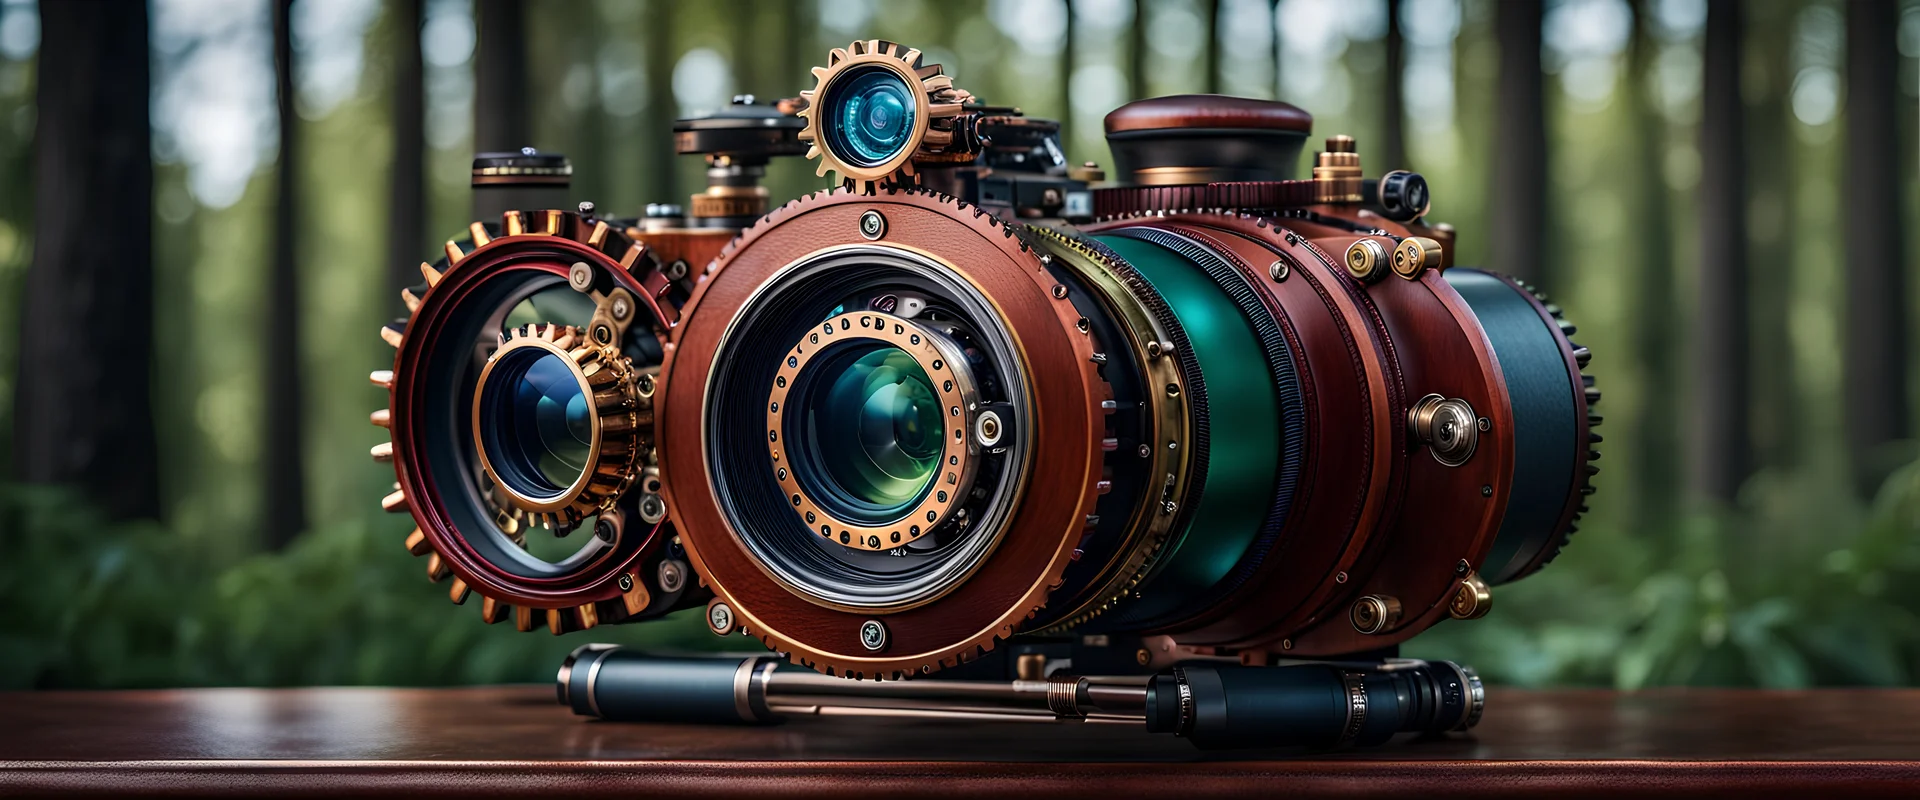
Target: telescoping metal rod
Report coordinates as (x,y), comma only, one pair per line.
(1315,705)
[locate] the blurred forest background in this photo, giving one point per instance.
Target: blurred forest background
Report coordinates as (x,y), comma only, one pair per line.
(206,207)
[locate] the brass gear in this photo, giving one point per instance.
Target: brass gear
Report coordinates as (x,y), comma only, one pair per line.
(618,451)
(942,124)
(619,251)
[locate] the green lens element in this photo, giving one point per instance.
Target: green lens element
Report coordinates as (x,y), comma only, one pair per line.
(536,425)
(868,432)
(1244,430)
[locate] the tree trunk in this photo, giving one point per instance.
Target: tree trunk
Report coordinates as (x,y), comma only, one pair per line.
(286,508)
(662,52)
(1778,419)
(501,120)
(83,412)
(1722,454)
(1393,115)
(1656,449)
(1137,52)
(1519,147)
(1210,14)
(1069,58)
(407,196)
(1876,319)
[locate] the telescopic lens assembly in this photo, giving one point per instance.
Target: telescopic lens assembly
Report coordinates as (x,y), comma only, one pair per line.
(977,405)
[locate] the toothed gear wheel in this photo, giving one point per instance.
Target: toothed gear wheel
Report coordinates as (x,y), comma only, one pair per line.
(940,125)
(1590,396)
(542,245)
(620,447)
(1013,581)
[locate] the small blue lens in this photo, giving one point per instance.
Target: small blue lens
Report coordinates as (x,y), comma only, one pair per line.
(869,117)
(535,422)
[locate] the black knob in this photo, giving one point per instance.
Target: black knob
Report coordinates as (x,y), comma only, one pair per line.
(1400,196)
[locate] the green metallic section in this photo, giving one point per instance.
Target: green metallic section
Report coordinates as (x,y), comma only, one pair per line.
(1243,413)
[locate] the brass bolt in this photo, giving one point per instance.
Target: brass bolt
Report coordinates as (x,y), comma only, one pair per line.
(1142,657)
(1367,260)
(1374,613)
(1472,600)
(1416,254)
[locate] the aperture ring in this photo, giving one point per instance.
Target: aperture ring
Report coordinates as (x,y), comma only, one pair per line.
(952,382)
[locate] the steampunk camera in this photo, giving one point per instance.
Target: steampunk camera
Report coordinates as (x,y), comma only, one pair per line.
(1216,433)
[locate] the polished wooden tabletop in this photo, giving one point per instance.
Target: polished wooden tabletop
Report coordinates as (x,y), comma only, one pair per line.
(516,741)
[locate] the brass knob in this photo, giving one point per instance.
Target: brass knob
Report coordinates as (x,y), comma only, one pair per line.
(1447,426)
(1375,613)
(1472,600)
(1367,260)
(1336,172)
(1416,254)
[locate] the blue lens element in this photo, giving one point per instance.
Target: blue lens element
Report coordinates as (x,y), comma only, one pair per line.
(535,423)
(869,117)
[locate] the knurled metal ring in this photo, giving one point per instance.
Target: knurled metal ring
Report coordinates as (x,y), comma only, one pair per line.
(952,382)
(1356,706)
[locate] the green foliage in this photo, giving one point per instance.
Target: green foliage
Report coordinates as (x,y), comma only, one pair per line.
(133,604)
(1799,587)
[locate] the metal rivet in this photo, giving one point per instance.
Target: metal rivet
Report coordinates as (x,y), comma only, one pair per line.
(720,618)
(872,225)
(604,530)
(873,635)
(1059,290)
(626,582)
(1277,270)
(580,276)
(673,575)
(987,429)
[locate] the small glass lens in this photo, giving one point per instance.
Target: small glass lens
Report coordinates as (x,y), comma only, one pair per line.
(870,117)
(540,429)
(874,432)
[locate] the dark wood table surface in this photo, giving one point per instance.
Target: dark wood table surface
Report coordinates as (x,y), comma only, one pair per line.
(516,741)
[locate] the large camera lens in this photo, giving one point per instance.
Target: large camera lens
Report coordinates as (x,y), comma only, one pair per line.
(867,432)
(871,116)
(521,418)
(534,422)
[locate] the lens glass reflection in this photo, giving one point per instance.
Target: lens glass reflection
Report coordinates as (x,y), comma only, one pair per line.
(541,429)
(873,432)
(870,117)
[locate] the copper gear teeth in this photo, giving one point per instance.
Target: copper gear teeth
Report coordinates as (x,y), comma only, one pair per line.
(620,250)
(940,109)
(617,405)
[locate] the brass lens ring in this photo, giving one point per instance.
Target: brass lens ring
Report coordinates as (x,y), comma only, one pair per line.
(604,383)
(952,382)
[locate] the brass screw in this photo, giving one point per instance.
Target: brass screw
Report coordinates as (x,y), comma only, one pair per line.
(1142,657)
(720,618)
(1472,600)
(1367,260)
(1374,613)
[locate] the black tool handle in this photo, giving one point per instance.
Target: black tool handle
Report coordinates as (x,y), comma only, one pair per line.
(631,686)
(1312,705)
